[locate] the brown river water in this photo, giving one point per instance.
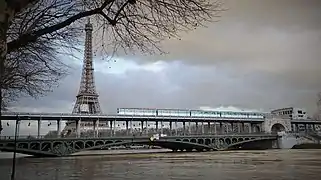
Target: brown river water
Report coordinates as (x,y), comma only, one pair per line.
(227,165)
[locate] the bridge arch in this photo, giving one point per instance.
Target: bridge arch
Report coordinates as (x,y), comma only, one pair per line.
(277,124)
(277,127)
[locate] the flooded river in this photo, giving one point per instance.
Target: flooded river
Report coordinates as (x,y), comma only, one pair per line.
(233,165)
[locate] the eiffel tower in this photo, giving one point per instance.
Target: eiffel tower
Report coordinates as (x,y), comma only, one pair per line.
(87,98)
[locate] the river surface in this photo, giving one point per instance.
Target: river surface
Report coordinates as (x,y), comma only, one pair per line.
(232,165)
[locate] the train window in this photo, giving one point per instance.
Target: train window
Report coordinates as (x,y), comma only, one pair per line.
(299,112)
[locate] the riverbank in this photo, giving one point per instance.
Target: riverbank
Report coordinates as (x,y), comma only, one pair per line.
(307,146)
(8,155)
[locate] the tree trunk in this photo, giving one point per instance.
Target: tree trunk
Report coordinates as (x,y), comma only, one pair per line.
(5,15)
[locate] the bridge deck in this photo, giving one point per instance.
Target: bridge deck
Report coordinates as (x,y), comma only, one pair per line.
(84,117)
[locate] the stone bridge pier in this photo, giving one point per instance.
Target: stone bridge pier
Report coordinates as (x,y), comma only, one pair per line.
(275,125)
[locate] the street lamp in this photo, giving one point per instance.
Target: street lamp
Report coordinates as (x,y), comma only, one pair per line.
(18,118)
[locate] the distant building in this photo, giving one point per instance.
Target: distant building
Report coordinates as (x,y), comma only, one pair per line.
(290,113)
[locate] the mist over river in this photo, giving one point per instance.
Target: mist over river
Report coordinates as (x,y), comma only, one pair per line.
(225,165)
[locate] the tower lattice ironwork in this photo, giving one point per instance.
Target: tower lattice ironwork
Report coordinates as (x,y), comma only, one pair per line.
(87,99)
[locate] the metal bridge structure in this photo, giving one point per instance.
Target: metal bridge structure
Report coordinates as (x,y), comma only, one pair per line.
(195,133)
(55,147)
(177,125)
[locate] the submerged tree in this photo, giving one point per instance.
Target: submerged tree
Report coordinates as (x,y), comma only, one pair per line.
(34,32)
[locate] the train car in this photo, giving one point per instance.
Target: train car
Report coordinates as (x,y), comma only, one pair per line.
(202,113)
(173,112)
(136,111)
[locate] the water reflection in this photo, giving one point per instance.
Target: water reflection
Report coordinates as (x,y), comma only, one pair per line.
(241,165)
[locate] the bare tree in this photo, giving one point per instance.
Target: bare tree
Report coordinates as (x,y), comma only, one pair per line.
(33,32)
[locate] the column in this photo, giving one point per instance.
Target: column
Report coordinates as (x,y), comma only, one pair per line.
(254,128)
(202,127)
(189,128)
(141,127)
(146,132)
(209,128)
(215,130)
(250,128)
(239,127)
(111,127)
(313,127)
(127,129)
(227,128)
(58,128)
(97,128)
(131,127)
(171,128)
(78,127)
(306,127)
(297,128)
(39,128)
(196,127)
(176,127)
(232,126)
(161,127)
(221,128)
(114,132)
(184,128)
(156,124)
(243,127)
(18,127)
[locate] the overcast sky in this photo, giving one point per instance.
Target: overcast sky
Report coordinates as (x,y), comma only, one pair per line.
(261,55)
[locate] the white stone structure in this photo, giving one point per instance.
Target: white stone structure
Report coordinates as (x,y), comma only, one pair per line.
(276,124)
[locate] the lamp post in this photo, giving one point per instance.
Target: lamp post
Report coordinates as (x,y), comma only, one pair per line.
(13,172)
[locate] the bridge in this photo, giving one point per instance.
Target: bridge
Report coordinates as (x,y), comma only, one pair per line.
(177,125)
(55,147)
(194,133)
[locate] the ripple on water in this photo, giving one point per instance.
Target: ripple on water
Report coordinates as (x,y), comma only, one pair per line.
(240,165)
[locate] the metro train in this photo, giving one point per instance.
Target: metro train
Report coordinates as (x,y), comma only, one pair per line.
(188,113)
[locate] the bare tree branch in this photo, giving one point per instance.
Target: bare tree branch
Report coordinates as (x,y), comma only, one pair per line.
(33,33)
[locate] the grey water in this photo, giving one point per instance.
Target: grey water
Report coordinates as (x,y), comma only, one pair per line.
(226,165)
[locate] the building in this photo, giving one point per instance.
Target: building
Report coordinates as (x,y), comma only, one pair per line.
(290,113)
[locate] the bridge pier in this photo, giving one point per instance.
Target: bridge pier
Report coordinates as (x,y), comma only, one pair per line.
(127,128)
(184,128)
(202,128)
(114,129)
(39,128)
(196,127)
(78,127)
(131,127)
(58,128)
(162,126)
(18,127)
(170,128)
(176,127)
(141,126)
(111,128)
(95,127)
